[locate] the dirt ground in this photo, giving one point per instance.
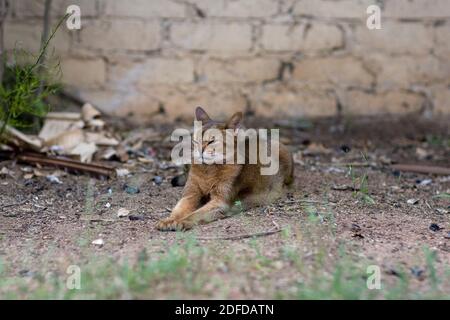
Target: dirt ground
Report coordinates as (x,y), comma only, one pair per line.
(347,204)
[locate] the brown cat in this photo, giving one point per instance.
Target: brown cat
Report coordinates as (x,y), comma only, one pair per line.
(212,189)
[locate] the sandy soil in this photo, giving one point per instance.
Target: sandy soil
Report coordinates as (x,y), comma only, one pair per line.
(46,226)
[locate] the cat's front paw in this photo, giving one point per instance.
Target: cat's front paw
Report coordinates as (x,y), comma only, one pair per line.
(170,224)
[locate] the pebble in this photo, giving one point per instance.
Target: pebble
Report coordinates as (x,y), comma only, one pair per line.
(122,212)
(412,201)
(345,148)
(178,181)
(417,272)
(424,182)
(54,179)
(434,227)
(98,242)
(122,172)
(157,180)
(131,189)
(135,217)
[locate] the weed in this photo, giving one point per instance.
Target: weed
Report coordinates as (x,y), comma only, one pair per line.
(21,92)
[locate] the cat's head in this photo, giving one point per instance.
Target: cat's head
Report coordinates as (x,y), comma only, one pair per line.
(207,142)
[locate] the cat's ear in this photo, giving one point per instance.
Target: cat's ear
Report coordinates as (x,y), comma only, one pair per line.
(235,121)
(201,115)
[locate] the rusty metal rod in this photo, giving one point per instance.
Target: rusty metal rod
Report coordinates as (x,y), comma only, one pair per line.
(66,163)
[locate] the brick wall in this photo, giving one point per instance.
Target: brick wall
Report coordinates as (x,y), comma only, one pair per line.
(296,58)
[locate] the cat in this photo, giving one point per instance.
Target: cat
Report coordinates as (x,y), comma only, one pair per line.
(212,189)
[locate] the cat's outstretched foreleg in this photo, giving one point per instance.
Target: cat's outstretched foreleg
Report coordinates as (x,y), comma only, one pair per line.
(187,204)
(215,209)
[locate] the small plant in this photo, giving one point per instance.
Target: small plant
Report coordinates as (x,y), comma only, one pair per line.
(360,185)
(23,89)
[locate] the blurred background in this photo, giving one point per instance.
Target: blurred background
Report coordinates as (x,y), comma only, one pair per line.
(158,59)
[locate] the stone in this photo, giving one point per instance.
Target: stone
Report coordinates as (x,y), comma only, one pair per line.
(241,70)
(281,101)
(237,8)
(83,73)
(342,71)
(121,35)
(354,9)
(395,38)
(356,102)
(27,36)
(282,37)
(414,9)
(166,71)
(36,8)
(442,38)
(216,37)
(144,8)
(404,71)
(320,36)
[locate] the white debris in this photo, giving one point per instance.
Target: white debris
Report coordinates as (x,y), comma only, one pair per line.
(412,201)
(108,205)
(28,176)
(53,179)
(122,212)
(425,182)
(98,242)
(6,172)
(122,172)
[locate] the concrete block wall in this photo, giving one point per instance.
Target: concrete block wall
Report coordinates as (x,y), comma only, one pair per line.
(282,58)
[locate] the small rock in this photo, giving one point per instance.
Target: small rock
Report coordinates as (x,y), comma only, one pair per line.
(412,201)
(385,160)
(447,236)
(98,242)
(122,212)
(178,181)
(134,217)
(278,265)
(396,173)
(345,148)
(417,272)
(122,172)
(26,273)
(344,187)
(355,228)
(423,154)
(425,182)
(131,189)
(53,179)
(157,180)
(434,227)
(28,176)
(6,172)
(393,272)
(107,205)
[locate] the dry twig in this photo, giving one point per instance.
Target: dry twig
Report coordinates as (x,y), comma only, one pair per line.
(246,235)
